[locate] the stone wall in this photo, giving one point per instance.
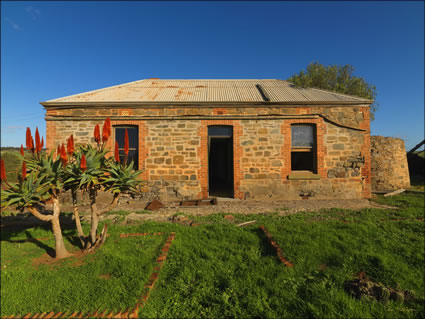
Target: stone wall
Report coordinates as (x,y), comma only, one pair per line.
(389,167)
(173,156)
(261,158)
(173,148)
(342,161)
(349,116)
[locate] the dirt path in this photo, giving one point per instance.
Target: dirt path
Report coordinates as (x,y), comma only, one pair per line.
(246,207)
(283,207)
(224,206)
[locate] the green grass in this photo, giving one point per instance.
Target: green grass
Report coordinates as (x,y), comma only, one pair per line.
(13,162)
(104,280)
(420,153)
(417,184)
(220,270)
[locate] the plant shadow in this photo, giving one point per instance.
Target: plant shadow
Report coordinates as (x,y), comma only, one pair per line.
(266,249)
(12,226)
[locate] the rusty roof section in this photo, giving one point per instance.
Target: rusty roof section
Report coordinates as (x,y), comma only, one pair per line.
(207,91)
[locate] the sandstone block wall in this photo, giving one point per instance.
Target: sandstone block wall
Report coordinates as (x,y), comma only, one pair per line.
(173,156)
(173,151)
(389,167)
(342,160)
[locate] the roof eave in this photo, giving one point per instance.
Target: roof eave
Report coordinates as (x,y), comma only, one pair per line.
(47,104)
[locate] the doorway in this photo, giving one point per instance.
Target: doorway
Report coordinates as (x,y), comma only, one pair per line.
(220,161)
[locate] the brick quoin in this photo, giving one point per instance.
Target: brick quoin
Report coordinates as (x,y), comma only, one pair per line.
(50,134)
(366,169)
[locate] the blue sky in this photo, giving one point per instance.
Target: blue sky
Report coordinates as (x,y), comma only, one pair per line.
(54,49)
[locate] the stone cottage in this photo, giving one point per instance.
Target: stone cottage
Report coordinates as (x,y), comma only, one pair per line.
(246,139)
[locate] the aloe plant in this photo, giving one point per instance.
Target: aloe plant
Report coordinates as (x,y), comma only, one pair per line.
(91,170)
(43,182)
(72,175)
(88,177)
(121,178)
(88,168)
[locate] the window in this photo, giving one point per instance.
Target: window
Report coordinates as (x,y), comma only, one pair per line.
(220,131)
(133,143)
(303,148)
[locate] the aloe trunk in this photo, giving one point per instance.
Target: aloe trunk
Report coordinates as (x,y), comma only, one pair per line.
(60,249)
(95,213)
(77,217)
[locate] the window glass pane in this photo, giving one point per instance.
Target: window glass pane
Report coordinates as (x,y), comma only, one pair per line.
(133,136)
(132,157)
(133,143)
(302,161)
(302,135)
(220,130)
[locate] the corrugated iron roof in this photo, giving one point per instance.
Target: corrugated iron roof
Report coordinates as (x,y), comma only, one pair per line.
(156,90)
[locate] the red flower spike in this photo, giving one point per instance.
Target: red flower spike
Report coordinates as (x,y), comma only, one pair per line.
(42,142)
(70,145)
(24,170)
(28,139)
(58,151)
(83,163)
(72,141)
(37,141)
(106,130)
(126,142)
(117,154)
(97,133)
(3,171)
(22,150)
(32,145)
(64,159)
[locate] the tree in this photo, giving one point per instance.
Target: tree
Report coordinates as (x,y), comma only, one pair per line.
(88,168)
(336,78)
(91,170)
(42,181)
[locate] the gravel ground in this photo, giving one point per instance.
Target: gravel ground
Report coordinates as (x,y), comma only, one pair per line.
(244,207)
(283,207)
(225,205)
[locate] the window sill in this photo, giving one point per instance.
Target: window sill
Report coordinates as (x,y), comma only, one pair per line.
(303,175)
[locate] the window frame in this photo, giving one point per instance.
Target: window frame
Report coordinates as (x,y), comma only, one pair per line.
(121,147)
(305,149)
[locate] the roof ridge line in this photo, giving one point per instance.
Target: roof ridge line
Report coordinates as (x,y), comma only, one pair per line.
(342,94)
(96,90)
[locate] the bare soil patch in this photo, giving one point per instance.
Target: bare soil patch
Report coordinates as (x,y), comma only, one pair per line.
(50,260)
(233,206)
(105,276)
(224,205)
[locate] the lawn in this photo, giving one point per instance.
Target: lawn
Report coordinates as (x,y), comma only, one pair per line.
(217,269)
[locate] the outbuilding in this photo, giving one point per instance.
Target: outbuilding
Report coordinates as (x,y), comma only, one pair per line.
(246,139)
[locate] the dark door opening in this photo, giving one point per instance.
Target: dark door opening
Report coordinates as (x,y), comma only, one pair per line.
(220,164)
